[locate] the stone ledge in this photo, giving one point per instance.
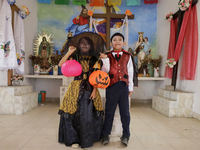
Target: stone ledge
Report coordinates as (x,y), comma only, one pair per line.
(18,105)
(16,90)
(174,95)
(173,103)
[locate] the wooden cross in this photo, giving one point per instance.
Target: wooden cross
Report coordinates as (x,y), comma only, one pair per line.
(179,14)
(10,71)
(108,15)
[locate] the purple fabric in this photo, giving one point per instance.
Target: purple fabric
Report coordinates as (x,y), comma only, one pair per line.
(102,27)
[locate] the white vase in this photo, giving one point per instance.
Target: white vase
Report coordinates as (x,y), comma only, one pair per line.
(36,69)
(20,82)
(144,72)
(156,72)
(55,70)
(16,82)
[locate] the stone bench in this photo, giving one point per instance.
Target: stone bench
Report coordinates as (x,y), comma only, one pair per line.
(17,100)
(173,103)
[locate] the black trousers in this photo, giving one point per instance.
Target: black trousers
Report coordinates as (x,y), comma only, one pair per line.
(117,94)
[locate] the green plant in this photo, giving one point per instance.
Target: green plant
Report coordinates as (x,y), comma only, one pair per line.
(156,62)
(55,59)
(36,59)
(145,61)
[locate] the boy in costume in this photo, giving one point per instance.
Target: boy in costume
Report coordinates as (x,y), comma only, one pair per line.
(123,76)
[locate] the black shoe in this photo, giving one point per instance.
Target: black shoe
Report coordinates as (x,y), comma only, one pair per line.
(105,139)
(124,140)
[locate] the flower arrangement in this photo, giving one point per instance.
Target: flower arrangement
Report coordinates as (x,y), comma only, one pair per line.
(90,12)
(36,59)
(145,61)
(170,63)
(17,77)
(184,5)
(55,59)
(128,12)
(169,16)
(156,62)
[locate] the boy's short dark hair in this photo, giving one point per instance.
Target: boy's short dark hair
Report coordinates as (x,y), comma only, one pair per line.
(117,34)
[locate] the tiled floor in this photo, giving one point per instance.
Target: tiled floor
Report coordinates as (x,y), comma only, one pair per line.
(38,130)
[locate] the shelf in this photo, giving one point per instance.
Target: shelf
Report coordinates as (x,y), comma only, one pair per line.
(151,78)
(44,76)
(61,77)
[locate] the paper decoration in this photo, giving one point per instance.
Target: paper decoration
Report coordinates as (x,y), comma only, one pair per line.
(128,12)
(132,2)
(44,1)
(114,2)
(24,12)
(62,2)
(11,2)
(79,2)
(150,1)
(96,2)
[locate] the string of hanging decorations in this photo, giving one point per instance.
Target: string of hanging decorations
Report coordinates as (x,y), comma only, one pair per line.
(97,2)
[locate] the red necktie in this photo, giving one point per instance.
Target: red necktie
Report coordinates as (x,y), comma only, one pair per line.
(117,53)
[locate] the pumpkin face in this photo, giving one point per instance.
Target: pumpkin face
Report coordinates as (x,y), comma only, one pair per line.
(99,79)
(71,68)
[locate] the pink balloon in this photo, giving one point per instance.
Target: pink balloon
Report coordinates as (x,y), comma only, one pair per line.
(71,68)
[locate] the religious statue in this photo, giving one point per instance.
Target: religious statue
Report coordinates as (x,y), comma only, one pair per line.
(45,64)
(142,53)
(44,45)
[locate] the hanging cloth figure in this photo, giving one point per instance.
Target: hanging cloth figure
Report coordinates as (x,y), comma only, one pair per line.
(19,43)
(7,46)
(125,23)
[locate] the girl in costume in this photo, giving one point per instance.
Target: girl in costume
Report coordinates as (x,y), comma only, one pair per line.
(81,111)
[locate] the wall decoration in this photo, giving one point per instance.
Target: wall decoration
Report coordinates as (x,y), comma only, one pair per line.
(96,2)
(132,2)
(114,2)
(184,5)
(62,2)
(11,2)
(44,1)
(24,12)
(150,1)
(79,2)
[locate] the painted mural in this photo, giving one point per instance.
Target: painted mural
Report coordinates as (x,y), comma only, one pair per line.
(59,20)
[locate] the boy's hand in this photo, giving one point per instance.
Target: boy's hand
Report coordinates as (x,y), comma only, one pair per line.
(102,55)
(130,92)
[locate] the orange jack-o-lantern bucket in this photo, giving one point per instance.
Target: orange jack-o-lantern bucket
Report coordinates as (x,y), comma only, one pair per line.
(99,79)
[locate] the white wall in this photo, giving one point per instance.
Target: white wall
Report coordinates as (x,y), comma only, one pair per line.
(163,39)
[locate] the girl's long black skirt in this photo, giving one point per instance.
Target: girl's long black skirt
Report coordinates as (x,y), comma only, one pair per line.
(84,129)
